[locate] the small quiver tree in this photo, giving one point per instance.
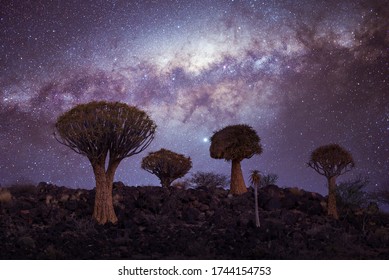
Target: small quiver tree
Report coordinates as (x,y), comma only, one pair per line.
(235,143)
(331,161)
(166,165)
(99,130)
(255,180)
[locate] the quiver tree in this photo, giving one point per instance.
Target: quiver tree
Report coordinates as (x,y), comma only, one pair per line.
(235,143)
(331,161)
(101,130)
(255,180)
(166,165)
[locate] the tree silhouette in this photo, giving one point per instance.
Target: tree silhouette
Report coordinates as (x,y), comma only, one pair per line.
(235,143)
(209,180)
(351,194)
(331,161)
(99,130)
(268,179)
(255,180)
(382,194)
(166,165)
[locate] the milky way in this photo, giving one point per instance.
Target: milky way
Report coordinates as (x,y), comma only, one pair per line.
(301,73)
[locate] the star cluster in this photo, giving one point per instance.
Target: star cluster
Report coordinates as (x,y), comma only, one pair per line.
(301,73)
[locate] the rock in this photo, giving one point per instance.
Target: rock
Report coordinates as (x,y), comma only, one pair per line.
(290,202)
(26,242)
(25,212)
(5,196)
(191,215)
(157,223)
(143,218)
(315,209)
(274,228)
(273,204)
(118,185)
(273,191)
(379,238)
(296,192)
(320,232)
(71,205)
(203,207)
(65,197)
(291,217)
(52,253)
(48,199)
(244,219)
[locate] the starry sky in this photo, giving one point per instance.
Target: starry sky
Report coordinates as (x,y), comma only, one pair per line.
(302,73)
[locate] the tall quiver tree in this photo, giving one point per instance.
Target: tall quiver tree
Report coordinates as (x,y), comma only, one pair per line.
(235,143)
(166,165)
(255,180)
(331,161)
(99,130)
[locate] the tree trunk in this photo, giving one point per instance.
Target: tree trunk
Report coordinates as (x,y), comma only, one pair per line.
(103,210)
(237,182)
(257,223)
(331,205)
(165,182)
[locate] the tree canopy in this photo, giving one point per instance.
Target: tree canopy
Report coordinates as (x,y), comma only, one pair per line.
(331,160)
(235,142)
(98,128)
(166,165)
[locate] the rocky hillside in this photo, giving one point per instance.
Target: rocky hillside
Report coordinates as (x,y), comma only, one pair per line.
(50,222)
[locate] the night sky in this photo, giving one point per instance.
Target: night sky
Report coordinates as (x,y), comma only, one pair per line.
(301,73)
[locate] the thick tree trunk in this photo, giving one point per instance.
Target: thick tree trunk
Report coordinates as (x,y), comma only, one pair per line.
(331,205)
(165,182)
(103,210)
(237,182)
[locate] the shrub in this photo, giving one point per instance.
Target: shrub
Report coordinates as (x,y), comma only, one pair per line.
(382,195)
(268,179)
(18,189)
(351,193)
(208,180)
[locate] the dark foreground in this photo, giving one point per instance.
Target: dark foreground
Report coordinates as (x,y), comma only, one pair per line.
(49,222)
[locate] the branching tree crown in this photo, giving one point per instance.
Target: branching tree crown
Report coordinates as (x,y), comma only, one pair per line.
(235,142)
(96,128)
(331,160)
(166,165)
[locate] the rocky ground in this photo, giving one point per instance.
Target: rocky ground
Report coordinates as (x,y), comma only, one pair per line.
(50,222)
